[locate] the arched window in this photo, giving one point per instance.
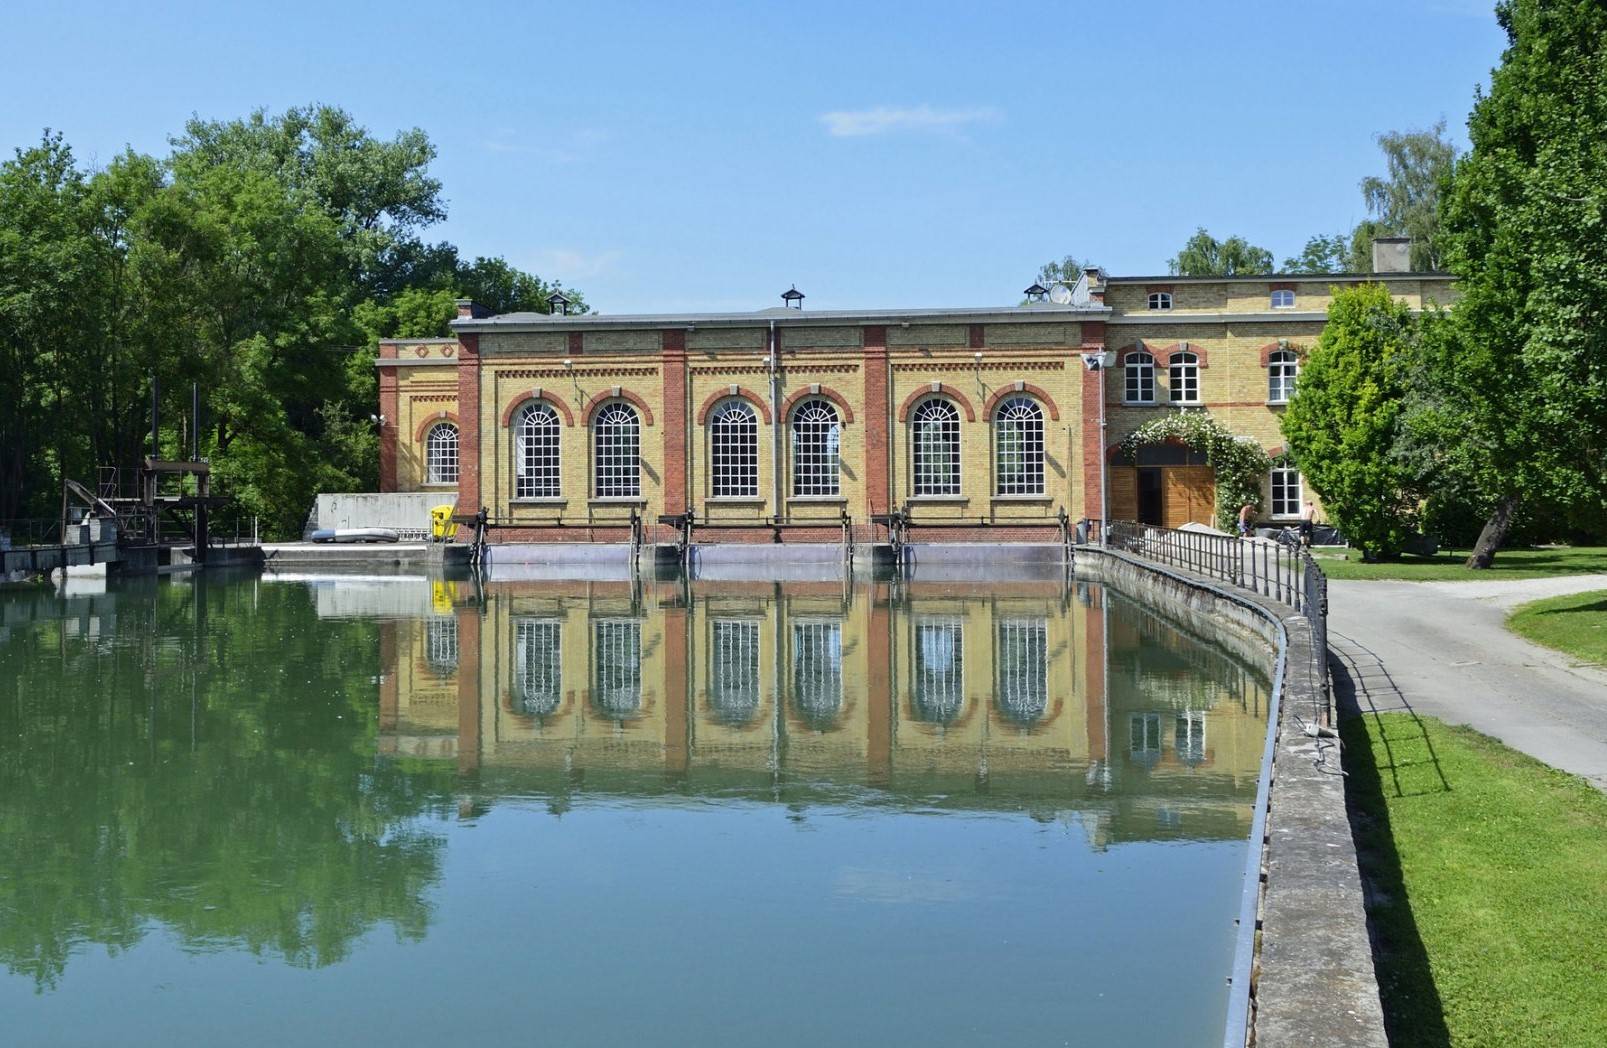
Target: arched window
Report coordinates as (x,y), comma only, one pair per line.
(816,443)
(441,644)
(1283,298)
(441,454)
(1282,368)
(1021,659)
(1185,378)
(817,672)
(734,673)
(734,451)
(535,453)
(939,686)
(537,666)
(1140,374)
(935,440)
(1160,300)
(616,452)
(1018,447)
(616,687)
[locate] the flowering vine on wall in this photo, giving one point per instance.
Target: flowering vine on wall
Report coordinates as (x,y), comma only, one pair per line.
(1240,463)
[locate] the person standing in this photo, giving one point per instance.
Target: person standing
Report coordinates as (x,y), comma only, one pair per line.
(1308,522)
(1246,519)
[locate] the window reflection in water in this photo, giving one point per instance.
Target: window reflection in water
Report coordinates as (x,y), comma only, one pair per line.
(734,671)
(817,672)
(617,657)
(1023,671)
(1144,739)
(537,669)
(441,644)
(1189,737)
(939,670)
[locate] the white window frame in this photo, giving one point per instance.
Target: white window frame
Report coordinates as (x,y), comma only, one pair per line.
(735,694)
(937,691)
(441,454)
(1018,428)
(1021,667)
(734,450)
(816,680)
(1138,371)
(1160,300)
(935,449)
(1278,487)
(816,444)
(617,668)
(537,471)
(1283,372)
(617,452)
(1183,377)
(1282,298)
(538,672)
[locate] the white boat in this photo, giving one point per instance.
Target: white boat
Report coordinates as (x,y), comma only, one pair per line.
(355,535)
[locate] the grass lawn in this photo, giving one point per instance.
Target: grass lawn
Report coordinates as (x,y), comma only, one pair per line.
(1575,624)
(1509,564)
(1487,883)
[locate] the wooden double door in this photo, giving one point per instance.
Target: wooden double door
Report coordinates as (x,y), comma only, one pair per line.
(1168,496)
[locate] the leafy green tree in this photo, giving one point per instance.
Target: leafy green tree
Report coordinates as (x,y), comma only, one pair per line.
(501,288)
(1322,254)
(1345,420)
(1205,256)
(1406,202)
(1523,391)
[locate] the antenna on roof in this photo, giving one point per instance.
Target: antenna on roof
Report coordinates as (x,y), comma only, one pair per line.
(1060,294)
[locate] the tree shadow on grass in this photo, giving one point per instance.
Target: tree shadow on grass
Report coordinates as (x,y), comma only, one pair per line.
(1363,688)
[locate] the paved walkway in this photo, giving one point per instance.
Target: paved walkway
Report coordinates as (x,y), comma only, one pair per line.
(1441,649)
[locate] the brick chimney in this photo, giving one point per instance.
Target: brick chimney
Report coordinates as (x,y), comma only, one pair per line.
(471,310)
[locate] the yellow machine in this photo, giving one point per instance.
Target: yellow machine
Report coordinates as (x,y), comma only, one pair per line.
(441,527)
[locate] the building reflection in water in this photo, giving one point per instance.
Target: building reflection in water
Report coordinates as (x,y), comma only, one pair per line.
(1036,696)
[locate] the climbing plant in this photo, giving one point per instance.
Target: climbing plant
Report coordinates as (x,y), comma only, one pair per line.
(1239,462)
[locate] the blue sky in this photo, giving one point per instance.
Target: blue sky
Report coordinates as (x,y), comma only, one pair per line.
(706,156)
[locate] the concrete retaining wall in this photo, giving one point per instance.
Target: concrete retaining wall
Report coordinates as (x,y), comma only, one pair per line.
(407,511)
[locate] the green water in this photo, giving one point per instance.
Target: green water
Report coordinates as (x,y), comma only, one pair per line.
(346,811)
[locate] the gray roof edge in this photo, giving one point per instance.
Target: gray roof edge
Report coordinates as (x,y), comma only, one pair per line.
(1282,278)
(791,318)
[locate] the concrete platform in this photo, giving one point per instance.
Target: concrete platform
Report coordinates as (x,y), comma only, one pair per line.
(305,555)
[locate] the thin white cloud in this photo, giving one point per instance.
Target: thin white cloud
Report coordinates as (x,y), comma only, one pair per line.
(881,120)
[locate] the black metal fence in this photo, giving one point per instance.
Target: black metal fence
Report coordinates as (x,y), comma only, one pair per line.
(1277,570)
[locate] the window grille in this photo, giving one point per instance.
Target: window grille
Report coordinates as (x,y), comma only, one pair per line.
(441,454)
(1140,375)
(939,670)
(537,666)
(816,443)
(1282,369)
(1189,737)
(616,654)
(1286,492)
(1283,299)
(1144,739)
(617,452)
(936,444)
(817,671)
(441,644)
(1185,378)
(1018,446)
(1160,300)
(734,451)
(734,671)
(535,453)
(1022,659)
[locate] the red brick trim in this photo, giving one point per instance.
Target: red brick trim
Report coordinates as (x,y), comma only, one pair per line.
(1285,285)
(1185,347)
(536,394)
(388,408)
(1093,334)
(936,389)
(430,420)
(1273,347)
(1021,387)
(1151,289)
(817,390)
(577,343)
(976,336)
(616,393)
(725,394)
(1277,451)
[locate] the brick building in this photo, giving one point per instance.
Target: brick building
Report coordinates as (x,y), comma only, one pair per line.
(788,425)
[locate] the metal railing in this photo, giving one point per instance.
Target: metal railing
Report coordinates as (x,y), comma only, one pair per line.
(1280,572)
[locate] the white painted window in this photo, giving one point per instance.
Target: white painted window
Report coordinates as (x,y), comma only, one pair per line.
(441,454)
(537,666)
(817,671)
(1287,493)
(1018,447)
(816,447)
(1160,300)
(1184,375)
(535,453)
(441,644)
(1282,369)
(935,443)
(616,689)
(734,451)
(1144,739)
(1283,298)
(1140,374)
(734,671)
(1021,658)
(617,446)
(939,691)
(1188,737)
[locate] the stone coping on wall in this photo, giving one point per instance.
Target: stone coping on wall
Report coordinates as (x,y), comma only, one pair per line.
(1312,979)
